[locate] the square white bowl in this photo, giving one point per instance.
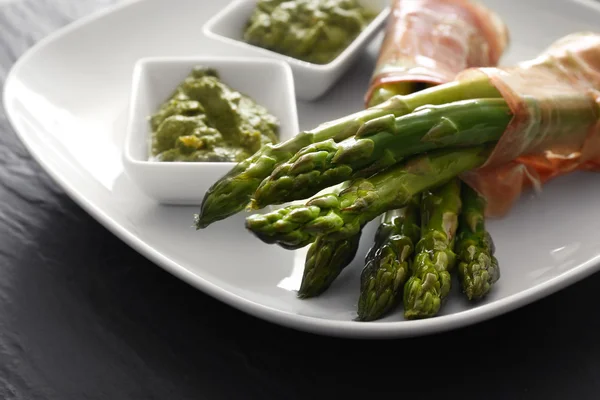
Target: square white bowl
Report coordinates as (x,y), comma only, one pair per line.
(269,82)
(312,80)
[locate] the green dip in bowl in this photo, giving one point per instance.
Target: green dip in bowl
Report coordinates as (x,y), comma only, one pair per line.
(315,31)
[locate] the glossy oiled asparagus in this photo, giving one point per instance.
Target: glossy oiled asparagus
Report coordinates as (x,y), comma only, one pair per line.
(232,192)
(344,215)
(384,142)
(336,259)
(325,260)
(430,281)
(388,261)
(477,268)
(387,264)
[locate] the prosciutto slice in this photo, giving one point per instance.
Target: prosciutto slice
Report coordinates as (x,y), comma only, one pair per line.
(555,129)
(431,41)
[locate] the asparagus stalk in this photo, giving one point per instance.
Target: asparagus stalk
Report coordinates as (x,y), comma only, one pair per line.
(388,261)
(384,142)
(378,291)
(325,260)
(477,268)
(265,226)
(232,192)
(345,214)
(298,240)
(430,281)
(386,92)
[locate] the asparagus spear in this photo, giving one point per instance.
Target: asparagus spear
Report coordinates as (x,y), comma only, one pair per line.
(265,225)
(325,260)
(430,281)
(477,268)
(376,286)
(345,214)
(383,142)
(231,193)
(388,261)
(386,92)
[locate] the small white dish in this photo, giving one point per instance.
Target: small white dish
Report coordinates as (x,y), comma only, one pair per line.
(312,80)
(268,82)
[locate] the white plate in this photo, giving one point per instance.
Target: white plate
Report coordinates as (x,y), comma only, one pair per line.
(68,101)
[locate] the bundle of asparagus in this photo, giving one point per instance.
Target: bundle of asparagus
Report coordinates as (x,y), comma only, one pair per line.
(427,42)
(564,119)
(523,111)
(537,120)
(446,35)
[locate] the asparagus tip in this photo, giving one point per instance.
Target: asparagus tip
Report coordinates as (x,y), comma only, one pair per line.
(308,291)
(200,223)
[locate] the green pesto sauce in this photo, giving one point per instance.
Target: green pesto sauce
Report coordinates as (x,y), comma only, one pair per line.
(205,120)
(315,31)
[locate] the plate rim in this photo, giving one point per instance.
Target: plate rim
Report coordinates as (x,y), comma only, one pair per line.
(309,324)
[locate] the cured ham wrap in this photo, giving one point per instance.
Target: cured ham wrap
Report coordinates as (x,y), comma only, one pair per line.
(542,141)
(428,42)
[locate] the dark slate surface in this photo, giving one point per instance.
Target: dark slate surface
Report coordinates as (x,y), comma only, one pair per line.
(82,316)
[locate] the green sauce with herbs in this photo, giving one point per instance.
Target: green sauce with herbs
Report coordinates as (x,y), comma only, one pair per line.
(205,120)
(315,31)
